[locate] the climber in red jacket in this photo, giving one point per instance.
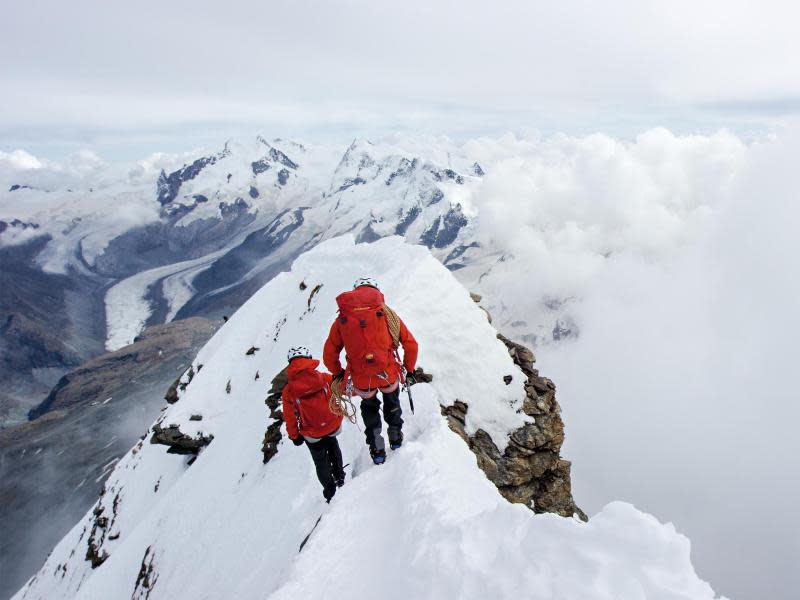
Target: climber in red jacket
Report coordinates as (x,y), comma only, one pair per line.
(308,417)
(370,333)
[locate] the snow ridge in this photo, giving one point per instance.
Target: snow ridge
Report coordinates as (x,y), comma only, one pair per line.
(427,524)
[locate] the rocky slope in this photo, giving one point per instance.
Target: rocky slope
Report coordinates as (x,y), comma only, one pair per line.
(157,349)
(530,470)
(52,468)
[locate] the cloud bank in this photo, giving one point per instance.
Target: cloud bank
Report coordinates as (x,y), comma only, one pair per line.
(679,259)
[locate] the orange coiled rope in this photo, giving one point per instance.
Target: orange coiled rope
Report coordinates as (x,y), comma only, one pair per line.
(340,403)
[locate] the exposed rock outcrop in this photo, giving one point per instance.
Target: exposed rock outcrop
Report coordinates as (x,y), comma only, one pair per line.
(530,471)
(102,527)
(180,385)
(273,435)
(147,577)
(179,442)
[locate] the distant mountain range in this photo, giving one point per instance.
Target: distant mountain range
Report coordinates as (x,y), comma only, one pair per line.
(88,259)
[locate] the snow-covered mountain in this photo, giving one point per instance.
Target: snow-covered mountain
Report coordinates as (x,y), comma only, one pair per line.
(91,252)
(227,520)
(91,256)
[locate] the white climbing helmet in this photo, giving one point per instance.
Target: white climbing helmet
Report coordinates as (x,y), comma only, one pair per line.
(298,352)
(369,281)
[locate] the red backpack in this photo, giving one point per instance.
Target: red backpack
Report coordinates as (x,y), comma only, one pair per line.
(365,332)
(310,392)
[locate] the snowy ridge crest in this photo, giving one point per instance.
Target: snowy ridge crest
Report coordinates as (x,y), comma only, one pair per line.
(429,508)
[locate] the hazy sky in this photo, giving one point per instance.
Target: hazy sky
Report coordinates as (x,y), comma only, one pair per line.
(126,79)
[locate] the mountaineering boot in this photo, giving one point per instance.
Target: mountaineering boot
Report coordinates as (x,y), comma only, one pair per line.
(397,442)
(378,456)
(328,492)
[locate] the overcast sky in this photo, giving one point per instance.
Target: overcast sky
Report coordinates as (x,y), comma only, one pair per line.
(132,78)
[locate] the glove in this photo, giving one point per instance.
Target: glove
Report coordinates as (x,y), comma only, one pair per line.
(411,379)
(299,440)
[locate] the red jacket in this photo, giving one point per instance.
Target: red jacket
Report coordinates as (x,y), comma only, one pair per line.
(305,401)
(361,378)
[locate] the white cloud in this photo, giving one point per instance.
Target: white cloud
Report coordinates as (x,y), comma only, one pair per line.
(19,159)
(563,205)
(679,394)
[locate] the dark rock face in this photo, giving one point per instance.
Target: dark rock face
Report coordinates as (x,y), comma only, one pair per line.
(348,183)
(179,442)
(407,220)
(274,157)
(406,167)
(231,268)
(181,383)
(273,435)
(429,235)
(452,223)
(477,170)
(444,230)
(433,197)
(147,577)
(530,471)
(457,253)
(279,157)
(447,174)
(253,192)
(104,526)
(101,528)
(259,166)
(168,186)
(18,224)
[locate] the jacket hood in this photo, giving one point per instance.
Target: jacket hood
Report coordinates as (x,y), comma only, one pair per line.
(301,364)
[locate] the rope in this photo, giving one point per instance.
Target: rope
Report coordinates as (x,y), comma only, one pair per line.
(393,321)
(340,403)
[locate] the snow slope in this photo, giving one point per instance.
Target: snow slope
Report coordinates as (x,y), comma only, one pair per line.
(427,524)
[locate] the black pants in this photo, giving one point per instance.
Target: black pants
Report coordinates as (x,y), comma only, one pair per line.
(392,414)
(327,458)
